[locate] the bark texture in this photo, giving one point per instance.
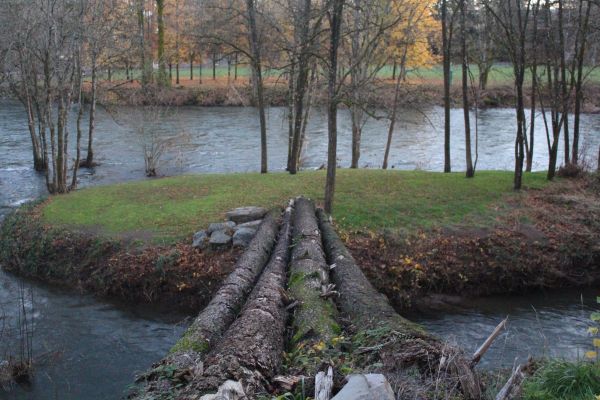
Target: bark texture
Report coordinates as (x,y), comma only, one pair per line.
(369,309)
(229,300)
(185,361)
(251,350)
(314,318)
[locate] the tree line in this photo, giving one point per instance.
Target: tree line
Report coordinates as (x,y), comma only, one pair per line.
(54,50)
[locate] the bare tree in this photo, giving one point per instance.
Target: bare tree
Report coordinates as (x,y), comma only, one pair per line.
(465,88)
(335,12)
(514,17)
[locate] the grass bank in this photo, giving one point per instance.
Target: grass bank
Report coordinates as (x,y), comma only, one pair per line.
(171,209)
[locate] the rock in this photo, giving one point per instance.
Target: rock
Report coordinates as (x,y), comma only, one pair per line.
(200,240)
(246,214)
(220,226)
(220,239)
(366,387)
(251,225)
(243,236)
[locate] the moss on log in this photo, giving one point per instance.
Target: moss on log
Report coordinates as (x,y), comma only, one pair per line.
(404,344)
(185,360)
(315,317)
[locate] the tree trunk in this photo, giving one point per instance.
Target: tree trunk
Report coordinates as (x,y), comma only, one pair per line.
(222,310)
(89,160)
(162,70)
(465,91)
(192,67)
(564,88)
(258,83)
(580,59)
(300,86)
(392,121)
(446,44)
(332,101)
(412,346)
(254,344)
(177,73)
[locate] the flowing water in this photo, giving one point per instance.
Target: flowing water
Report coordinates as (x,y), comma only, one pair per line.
(92,349)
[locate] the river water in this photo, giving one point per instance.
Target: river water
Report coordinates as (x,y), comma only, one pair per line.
(97,347)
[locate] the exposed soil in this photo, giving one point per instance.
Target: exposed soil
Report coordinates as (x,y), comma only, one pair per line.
(558,246)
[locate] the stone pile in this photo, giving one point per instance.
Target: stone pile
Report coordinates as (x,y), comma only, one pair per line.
(239,229)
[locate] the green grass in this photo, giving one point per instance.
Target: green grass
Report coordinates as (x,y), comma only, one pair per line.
(561,380)
(501,74)
(173,208)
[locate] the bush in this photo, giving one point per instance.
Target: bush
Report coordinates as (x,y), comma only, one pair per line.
(562,380)
(571,171)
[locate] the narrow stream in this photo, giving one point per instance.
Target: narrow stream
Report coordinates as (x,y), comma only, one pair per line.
(83,348)
(552,324)
(91,349)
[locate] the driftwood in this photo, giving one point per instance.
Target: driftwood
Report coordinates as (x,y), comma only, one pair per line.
(488,342)
(251,350)
(324,384)
(368,309)
(512,386)
(314,317)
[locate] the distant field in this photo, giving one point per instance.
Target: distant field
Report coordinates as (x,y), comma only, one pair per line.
(501,74)
(173,208)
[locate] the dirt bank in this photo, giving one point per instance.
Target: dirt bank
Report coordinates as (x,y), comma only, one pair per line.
(558,246)
(414,94)
(175,277)
(544,239)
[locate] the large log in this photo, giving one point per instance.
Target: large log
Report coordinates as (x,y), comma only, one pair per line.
(315,317)
(408,345)
(185,359)
(251,350)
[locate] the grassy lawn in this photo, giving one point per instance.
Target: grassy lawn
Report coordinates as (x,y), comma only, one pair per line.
(501,74)
(173,208)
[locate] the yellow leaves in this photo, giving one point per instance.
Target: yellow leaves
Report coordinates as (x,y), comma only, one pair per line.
(593,330)
(591,355)
(596,343)
(181,286)
(336,340)
(319,346)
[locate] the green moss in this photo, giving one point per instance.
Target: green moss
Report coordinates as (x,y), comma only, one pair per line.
(187,343)
(173,208)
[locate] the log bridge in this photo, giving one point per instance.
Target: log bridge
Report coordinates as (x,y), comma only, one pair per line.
(297,305)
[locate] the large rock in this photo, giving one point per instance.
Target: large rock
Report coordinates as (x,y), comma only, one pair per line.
(366,387)
(249,225)
(246,214)
(220,239)
(220,226)
(200,240)
(243,236)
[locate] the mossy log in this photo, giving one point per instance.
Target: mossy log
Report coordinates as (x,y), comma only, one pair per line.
(251,350)
(222,310)
(410,345)
(185,359)
(315,317)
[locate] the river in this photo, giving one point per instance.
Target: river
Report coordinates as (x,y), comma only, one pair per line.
(99,346)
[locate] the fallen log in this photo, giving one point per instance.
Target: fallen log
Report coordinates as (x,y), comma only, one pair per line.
(403,344)
(315,317)
(250,351)
(222,310)
(185,358)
